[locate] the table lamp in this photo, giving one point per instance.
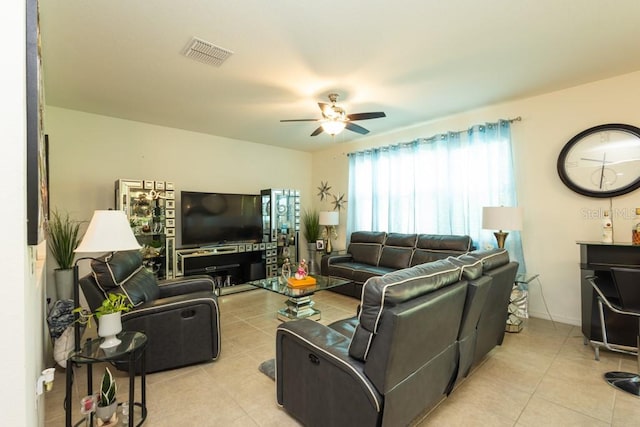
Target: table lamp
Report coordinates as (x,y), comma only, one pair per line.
(501,218)
(108,231)
(329,219)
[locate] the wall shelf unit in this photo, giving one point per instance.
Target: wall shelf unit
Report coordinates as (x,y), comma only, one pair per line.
(150,207)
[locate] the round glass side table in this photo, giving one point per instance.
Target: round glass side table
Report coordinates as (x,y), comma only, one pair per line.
(130,351)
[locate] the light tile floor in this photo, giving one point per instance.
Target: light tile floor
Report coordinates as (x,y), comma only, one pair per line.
(542,376)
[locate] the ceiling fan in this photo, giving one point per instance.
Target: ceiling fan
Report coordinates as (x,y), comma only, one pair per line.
(335,119)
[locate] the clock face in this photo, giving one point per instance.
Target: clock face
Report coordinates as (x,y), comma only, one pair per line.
(603,161)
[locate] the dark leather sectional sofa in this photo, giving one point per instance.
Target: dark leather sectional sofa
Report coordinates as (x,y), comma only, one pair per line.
(374,253)
(419,331)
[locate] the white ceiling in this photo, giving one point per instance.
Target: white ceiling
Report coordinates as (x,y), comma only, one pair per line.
(415,60)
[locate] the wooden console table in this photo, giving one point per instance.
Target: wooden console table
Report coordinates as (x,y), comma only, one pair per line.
(596,259)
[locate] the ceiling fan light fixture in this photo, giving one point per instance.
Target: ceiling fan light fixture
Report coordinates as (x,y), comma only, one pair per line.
(333,127)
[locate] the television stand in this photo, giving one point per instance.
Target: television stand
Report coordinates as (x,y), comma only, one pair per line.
(230,265)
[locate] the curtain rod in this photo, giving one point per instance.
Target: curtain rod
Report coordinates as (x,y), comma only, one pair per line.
(514,119)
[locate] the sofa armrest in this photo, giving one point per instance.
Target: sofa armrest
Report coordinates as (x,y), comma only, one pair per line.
(181,330)
(160,305)
(314,357)
(329,260)
(185,285)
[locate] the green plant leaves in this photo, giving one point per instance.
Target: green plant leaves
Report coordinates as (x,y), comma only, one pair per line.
(63,237)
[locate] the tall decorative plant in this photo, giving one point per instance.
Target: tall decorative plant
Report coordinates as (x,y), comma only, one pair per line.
(311,224)
(63,237)
(311,232)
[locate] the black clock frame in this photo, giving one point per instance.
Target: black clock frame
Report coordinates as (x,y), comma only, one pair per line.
(575,140)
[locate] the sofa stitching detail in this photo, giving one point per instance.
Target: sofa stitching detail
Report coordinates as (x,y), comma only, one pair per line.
(369,341)
(384,291)
(364,380)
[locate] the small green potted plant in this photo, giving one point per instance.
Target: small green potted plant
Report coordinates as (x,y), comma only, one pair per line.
(107,404)
(63,237)
(109,318)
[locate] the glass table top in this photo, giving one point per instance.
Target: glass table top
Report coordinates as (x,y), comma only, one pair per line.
(279,284)
(91,351)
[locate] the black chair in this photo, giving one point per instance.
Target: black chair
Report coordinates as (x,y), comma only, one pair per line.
(180,317)
(626,301)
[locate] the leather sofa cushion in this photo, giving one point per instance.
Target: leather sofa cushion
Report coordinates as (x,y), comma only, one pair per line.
(432,247)
(400,239)
(491,258)
(123,272)
(357,272)
(471,268)
(443,242)
(395,257)
(397,250)
(366,246)
(392,289)
(423,256)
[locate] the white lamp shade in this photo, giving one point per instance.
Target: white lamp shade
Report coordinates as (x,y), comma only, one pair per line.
(329,218)
(333,127)
(502,218)
(108,231)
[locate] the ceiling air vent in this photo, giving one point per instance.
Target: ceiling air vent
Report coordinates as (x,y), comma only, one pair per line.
(206,52)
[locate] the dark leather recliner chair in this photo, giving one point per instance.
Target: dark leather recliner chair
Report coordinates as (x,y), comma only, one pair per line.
(180,317)
(419,332)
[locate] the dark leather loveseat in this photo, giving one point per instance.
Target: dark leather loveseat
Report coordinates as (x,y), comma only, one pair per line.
(419,331)
(180,317)
(374,253)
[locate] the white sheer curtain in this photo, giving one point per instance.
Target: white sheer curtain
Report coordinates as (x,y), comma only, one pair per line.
(436,185)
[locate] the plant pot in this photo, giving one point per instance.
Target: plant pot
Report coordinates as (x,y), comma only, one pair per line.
(109,325)
(64,282)
(105,413)
(312,263)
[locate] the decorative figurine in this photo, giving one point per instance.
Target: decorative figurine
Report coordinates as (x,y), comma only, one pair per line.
(302,271)
(286,269)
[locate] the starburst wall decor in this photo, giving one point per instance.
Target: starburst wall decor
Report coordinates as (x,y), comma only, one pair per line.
(324,190)
(338,202)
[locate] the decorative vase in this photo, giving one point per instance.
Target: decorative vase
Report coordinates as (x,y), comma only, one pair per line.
(64,282)
(312,264)
(109,325)
(105,413)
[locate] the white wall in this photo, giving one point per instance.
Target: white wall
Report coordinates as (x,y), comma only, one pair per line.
(89,152)
(555,217)
(23,314)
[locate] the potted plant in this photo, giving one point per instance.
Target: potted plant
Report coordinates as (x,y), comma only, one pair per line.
(109,315)
(63,237)
(107,403)
(311,232)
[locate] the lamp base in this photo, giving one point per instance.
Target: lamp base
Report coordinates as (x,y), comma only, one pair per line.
(501,236)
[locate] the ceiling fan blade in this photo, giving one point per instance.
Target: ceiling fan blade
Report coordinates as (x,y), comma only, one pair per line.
(317,131)
(301,120)
(355,128)
(366,116)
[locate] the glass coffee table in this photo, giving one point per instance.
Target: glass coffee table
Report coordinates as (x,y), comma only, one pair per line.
(300,303)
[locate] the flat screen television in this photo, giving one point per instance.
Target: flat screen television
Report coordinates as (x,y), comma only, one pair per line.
(214,218)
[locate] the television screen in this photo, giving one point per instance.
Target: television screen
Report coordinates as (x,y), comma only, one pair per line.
(212,218)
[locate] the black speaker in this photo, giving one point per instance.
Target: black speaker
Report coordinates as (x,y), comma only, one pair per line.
(257,271)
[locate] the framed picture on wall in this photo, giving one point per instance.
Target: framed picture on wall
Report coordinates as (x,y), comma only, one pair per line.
(37,142)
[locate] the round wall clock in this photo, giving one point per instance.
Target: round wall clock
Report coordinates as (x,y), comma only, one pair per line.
(602,161)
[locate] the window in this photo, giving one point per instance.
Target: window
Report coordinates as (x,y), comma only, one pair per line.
(435,185)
